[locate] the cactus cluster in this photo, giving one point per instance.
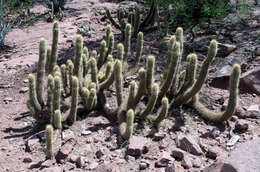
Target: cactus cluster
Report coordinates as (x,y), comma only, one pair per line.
(134,19)
(78,86)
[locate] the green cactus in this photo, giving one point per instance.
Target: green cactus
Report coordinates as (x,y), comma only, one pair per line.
(57,119)
(56,93)
(64,78)
(163,112)
(41,71)
(169,55)
(50,94)
(171,72)
(54,48)
(126,124)
(139,50)
(102,54)
(49,141)
(94,54)
(108,32)
(70,72)
(127,42)
(94,70)
(120,52)
(74,99)
(91,100)
(179,38)
(141,88)
(230,109)
(182,99)
(118,82)
(180,81)
(111,44)
(48,60)
(32,94)
(150,72)
(152,101)
(131,97)
(78,68)
(137,21)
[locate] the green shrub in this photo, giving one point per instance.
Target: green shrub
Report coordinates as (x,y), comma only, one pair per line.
(187,13)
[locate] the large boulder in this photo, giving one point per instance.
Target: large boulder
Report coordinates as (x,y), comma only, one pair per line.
(250,81)
(245,158)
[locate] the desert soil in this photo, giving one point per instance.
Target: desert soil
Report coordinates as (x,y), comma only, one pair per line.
(97,137)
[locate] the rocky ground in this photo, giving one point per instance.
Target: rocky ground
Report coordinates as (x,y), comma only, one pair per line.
(186,142)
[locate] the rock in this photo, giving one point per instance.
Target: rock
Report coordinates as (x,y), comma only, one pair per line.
(220,78)
(233,118)
(65,150)
(196,163)
(252,111)
(86,132)
(178,154)
(142,166)
(241,125)
(188,144)
(69,166)
(158,136)
(250,81)
(67,135)
(73,158)
(52,169)
(27,159)
(8,99)
(80,162)
(214,133)
(176,167)
(137,146)
(245,157)
(47,163)
(186,162)
(212,153)
(23,90)
(107,168)
(93,165)
(32,144)
(99,153)
(225,50)
(164,160)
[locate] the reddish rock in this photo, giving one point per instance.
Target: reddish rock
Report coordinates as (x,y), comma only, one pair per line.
(68,135)
(188,144)
(186,162)
(158,136)
(137,146)
(99,153)
(212,153)
(250,80)
(80,162)
(178,153)
(47,163)
(27,159)
(241,125)
(65,150)
(107,168)
(164,160)
(52,169)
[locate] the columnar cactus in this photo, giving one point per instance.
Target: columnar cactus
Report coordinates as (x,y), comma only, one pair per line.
(54,48)
(49,141)
(230,109)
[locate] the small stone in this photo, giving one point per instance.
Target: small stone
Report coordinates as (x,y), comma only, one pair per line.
(212,153)
(67,135)
(27,159)
(52,169)
(186,162)
(47,163)
(137,146)
(233,118)
(73,158)
(178,153)
(187,143)
(25,81)
(8,99)
(65,150)
(69,166)
(253,111)
(164,160)
(241,125)
(158,136)
(93,165)
(80,162)
(215,132)
(142,166)
(99,153)
(196,163)
(32,144)
(86,132)
(23,90)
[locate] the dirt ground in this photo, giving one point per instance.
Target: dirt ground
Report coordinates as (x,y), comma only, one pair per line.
(17,127)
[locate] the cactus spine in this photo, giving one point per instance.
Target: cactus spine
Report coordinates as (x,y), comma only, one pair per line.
(126,123)
(102,54)
(32,93)
(127,42)
(57,93)
(78,68)
(131,97)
